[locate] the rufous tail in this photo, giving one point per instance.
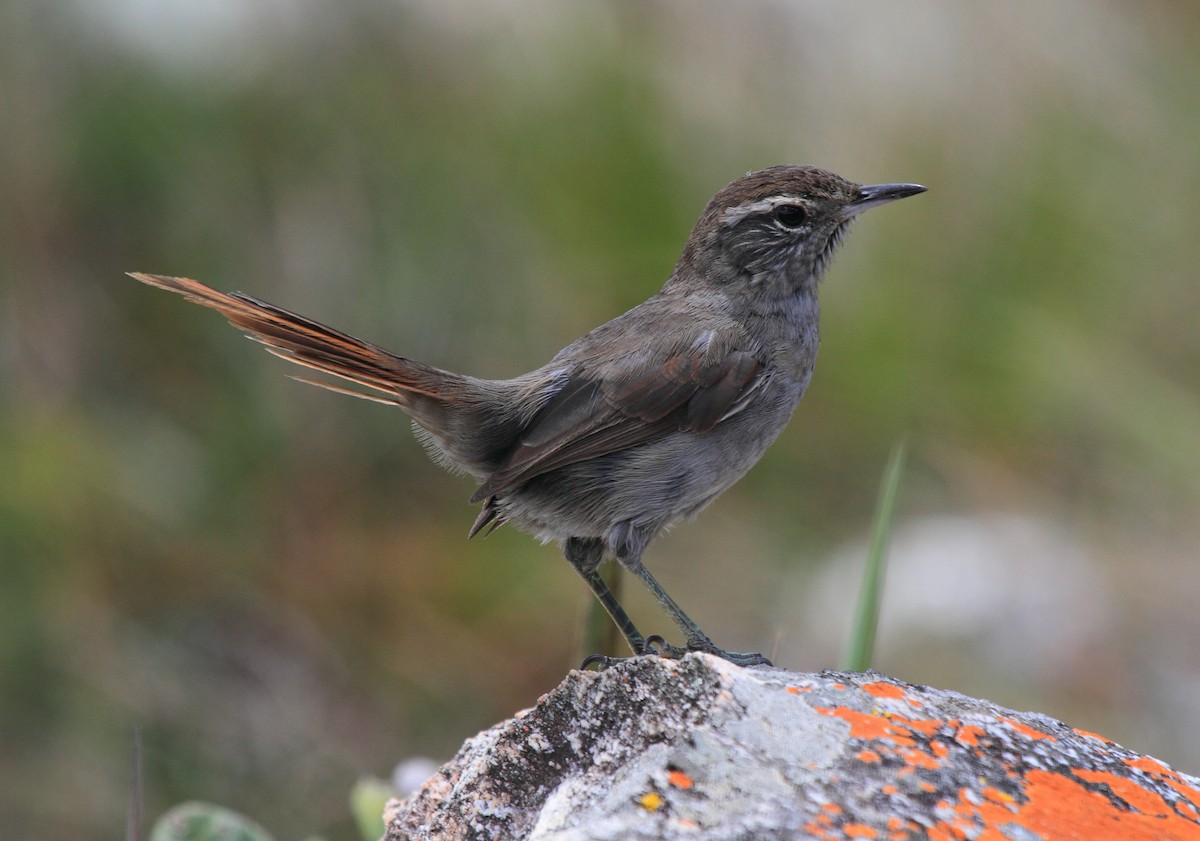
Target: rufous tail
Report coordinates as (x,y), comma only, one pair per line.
(392,379)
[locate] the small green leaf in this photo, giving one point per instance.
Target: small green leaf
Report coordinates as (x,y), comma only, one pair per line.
(195,821)
(367,799)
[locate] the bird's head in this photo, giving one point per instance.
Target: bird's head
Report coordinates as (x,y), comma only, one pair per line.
(778,227)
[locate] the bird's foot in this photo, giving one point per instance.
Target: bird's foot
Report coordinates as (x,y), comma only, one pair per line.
(600,661)
(657,645)
(642,648)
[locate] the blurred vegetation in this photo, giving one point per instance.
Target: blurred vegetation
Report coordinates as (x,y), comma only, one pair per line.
(194,821)
(273,581)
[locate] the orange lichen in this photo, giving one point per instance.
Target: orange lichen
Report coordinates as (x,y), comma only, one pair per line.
(1151,766)
(1157,804)
(1139,798)
(1027,731)
(680,780)
(883,690)
(867,726)
(968,735)
(927,726)
(1060,806)
(919,759)
(1156,769)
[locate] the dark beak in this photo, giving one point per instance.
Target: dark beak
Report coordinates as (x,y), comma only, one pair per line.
(873,195)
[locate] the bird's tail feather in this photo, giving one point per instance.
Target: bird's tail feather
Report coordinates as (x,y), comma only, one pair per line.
(392,379)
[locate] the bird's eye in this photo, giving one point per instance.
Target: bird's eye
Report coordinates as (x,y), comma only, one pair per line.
(791,215)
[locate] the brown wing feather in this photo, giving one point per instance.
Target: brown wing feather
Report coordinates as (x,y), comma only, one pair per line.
(724,386)
(590,418)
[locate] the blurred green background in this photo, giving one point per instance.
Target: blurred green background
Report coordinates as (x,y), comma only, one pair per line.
(273,581)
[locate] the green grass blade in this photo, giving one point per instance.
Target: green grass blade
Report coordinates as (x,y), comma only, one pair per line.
(137,797)
(866,620)
(367,799)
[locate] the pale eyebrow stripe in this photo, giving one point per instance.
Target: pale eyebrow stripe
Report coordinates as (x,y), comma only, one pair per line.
(736,214)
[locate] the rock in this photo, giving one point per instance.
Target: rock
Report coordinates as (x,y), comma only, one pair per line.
(702,749)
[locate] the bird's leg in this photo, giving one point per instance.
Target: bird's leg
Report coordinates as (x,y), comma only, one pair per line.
(600,633)
(585,556)
(629,555)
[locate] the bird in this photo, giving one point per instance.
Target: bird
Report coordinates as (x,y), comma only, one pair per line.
(643,421)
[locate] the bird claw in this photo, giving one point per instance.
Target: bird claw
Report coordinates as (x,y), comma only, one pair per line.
(741,658)
(602,661)
(654,646)
(657,645)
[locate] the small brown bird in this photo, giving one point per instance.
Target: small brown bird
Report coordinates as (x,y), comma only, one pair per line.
(646,419)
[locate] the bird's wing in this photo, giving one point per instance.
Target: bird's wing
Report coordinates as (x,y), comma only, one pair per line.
(592,416)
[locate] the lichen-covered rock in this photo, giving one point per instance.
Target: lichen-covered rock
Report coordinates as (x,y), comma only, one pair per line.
(701,749)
